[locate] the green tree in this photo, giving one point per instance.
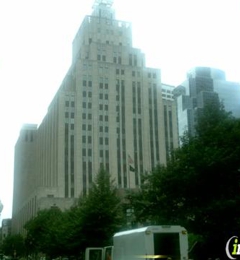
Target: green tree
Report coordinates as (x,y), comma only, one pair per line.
(199,187)
(91,222)
(14,246)
(44,233)
(100,212)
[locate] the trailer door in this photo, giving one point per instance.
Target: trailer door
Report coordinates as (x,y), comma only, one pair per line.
(167,246)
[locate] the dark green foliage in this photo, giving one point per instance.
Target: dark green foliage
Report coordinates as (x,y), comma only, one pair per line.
(14,246)
(44,232)
(199,187)
(90,223)
(101,212)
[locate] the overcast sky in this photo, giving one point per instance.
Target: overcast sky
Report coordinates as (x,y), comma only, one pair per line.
(35,53)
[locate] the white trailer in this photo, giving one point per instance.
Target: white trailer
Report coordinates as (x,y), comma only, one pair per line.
(153,242)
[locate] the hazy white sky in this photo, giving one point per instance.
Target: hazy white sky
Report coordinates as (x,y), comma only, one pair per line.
(35,53)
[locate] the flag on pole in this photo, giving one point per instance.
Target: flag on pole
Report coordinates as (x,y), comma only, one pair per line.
(130,160)
(131,169)
(130,163)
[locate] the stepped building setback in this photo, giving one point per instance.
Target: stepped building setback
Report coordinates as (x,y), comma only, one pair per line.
(108,111)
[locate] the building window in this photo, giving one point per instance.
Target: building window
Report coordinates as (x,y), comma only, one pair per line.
(130,59)
(89,139)
(135,60)
(106,141)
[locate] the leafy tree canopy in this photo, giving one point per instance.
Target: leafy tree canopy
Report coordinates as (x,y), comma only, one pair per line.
(44,232)
(14,246)
(199,187)
(100,212)
(91,222)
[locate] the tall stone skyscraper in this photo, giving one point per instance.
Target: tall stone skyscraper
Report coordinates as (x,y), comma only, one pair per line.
(108,112)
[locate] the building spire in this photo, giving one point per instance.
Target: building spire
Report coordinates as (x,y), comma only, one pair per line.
(103,8)
(108,3)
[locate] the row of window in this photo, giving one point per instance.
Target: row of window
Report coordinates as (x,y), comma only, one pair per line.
(116,59)
(152,75)
(110,31)
(67,115)
(89,128)
(68,103)
(87,83)
(115,23)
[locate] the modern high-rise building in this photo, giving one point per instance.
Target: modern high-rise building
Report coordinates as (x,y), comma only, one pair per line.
(108,112)
(204,85)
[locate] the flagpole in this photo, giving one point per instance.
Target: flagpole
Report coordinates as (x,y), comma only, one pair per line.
(130,168)
(128,172)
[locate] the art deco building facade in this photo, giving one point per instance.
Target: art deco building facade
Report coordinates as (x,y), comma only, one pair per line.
(108,112)
(204,85)
(170,118)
